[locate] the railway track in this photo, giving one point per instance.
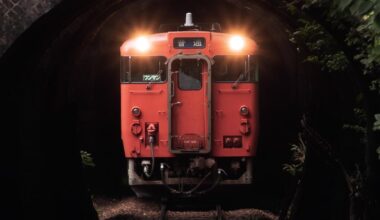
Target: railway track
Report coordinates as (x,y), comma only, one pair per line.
(136,208)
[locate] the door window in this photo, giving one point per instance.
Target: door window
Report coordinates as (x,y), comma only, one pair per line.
(190,74)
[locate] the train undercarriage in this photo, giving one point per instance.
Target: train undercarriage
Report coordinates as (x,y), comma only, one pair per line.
(186,176)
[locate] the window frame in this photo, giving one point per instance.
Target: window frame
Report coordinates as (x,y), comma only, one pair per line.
(253,76)
(124,74)
(200,74)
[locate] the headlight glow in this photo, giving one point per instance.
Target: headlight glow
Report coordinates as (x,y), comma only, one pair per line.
(236,43)
(142,44)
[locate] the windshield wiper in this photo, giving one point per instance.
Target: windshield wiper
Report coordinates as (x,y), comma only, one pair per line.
(149,86)
(240,78)
(159,72)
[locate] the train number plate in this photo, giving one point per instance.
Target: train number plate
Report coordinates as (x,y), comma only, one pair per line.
(186,43)
(151,78)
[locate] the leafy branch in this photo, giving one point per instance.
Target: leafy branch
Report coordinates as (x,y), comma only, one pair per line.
(298,151)
(87,159)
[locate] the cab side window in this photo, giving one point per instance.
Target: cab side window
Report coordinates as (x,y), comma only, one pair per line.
(143,69)
(234,68)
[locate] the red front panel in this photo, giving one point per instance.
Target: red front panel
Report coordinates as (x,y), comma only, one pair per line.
(226,102)
(228,122)
(153,105)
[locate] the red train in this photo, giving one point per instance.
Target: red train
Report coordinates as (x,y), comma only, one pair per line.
(189,110)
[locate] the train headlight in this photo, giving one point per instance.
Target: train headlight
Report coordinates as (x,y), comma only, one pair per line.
(136,111)
(142,44)
(236,43)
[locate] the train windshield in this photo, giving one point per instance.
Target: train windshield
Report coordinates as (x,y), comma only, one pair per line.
(234,69)
(143,69)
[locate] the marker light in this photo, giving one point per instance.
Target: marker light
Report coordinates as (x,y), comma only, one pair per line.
(142,44)
(236,43)
(244,110)
(136,111)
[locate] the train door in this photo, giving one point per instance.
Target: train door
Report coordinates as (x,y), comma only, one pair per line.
(189,108)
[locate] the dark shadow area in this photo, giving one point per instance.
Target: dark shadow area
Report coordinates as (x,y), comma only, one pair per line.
(62,78)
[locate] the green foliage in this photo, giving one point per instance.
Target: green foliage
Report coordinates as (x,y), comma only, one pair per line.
(367,13)
(365,39)
(87,159)
(358,124)
(361,8)
(360,117)
(375,85)
(356,128)
(343,36)
(298,152)
(360,19)
(337,35)
(320,45)
(376,124)
(336,62)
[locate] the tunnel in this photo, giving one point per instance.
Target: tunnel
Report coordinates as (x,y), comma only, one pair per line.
(62,78)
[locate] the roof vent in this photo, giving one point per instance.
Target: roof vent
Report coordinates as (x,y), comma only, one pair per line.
(189,20)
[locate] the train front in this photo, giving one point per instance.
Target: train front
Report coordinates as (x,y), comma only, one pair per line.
(188,110)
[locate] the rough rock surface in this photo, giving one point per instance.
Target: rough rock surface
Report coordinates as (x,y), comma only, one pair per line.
(17,15)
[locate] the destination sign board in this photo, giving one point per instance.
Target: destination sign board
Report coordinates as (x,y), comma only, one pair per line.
(189,43)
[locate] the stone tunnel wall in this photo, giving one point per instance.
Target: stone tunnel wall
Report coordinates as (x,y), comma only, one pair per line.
(17,15)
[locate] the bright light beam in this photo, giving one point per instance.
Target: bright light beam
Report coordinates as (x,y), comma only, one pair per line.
(236,43)
(142,44)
